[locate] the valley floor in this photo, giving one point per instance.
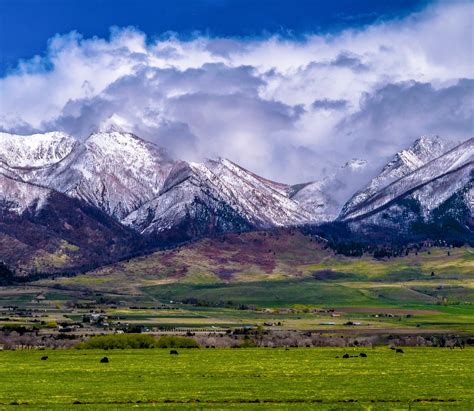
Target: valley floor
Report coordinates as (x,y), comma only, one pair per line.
(258,378)
(282,282)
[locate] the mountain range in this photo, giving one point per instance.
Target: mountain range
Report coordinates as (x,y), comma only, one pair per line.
(68,205)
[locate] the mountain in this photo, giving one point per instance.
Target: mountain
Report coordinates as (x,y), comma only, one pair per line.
(68,204)
(216,196)
(324,199)
(114,171)
(34,151)
(35,157)
(438,194)
(423,150)
(42,230)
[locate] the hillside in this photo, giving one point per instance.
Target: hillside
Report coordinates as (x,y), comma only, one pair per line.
(284,265)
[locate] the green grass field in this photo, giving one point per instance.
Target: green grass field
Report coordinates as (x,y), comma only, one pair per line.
(298,379)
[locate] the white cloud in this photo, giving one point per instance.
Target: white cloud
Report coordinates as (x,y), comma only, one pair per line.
(283,108)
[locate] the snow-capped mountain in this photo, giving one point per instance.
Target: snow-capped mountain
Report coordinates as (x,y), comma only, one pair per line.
(423,150)
(137,183)
(430,186)
(112,170)
(115,171)
(220,193)
(114,187)
(35,151)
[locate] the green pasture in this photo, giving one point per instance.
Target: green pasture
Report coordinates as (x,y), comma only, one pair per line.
(297,379)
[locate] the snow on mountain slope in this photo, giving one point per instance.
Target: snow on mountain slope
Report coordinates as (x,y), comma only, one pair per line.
(435,193)
(235,198)
(113,170)
(261,201)
(135,182)
(325,198)
(34,151)
(17,196)
(459,162)
(186,204)
(116,172)
(423,150)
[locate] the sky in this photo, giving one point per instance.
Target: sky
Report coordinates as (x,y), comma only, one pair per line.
(289,89)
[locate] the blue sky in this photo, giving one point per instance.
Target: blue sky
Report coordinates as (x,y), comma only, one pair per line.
(26,25)
(290,90)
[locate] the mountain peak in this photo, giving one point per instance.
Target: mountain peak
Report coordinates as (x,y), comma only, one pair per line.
(423,150)
(111,128)
(445,175)
(114,123)
(355,164)
(113,140)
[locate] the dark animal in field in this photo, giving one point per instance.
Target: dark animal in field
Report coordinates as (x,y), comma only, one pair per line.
(345,356)
(104,360)
(44,358)
(173,352)
(399,350)
(363,355)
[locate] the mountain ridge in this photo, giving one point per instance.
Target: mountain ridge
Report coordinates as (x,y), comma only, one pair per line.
(135,184)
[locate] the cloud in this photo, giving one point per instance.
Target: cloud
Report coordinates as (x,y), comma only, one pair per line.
(292,110)
(393,114)
(350,61)
(326,104)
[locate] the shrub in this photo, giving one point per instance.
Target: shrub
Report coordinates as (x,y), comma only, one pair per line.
(108,342)
(171,341)
(123,341)
(248,343)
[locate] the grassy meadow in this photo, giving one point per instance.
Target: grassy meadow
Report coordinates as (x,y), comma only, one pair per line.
(299,379)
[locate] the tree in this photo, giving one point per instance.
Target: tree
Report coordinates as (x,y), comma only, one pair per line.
(7,276)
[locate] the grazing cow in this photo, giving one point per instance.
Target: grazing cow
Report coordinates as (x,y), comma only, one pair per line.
(399,350)
(363,355)
(345,356)
(44,358)
(104,360)
(173,352)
